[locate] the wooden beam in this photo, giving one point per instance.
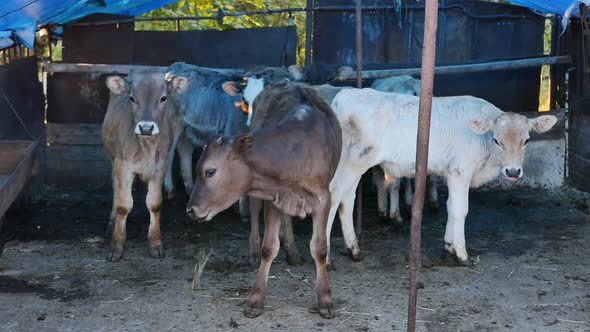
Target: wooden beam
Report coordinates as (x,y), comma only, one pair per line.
(461,69)
(67,153)
(73,134)
(423,137)
(54,67)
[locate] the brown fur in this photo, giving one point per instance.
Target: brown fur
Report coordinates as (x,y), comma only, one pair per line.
(289,162)
(135,155)
(270,107)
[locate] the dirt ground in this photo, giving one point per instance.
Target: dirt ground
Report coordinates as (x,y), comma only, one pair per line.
(530,270)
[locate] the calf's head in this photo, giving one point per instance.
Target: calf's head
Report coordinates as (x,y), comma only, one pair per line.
(254,81)
(510,137)
(222,177)
(146,94)
(248,90)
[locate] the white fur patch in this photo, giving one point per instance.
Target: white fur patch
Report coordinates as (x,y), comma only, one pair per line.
(252,89)
(155,130)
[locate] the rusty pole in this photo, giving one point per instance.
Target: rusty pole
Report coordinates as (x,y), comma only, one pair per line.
(427,77)
(359,84)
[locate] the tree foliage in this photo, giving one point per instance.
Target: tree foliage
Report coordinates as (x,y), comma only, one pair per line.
(211,8)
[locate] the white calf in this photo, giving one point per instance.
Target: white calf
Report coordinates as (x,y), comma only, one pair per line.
(408,85)
(471,141)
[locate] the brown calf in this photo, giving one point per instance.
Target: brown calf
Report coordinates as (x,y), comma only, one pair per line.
(289,165)
(137,136)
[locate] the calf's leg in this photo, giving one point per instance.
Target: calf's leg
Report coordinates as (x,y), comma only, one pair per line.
(345,180)
(168,183)
(346,212)
(185,154)
(433,192)
(254,240)
(153,202)
(244,208)
(319,251)
(394,211)
(408,193)
(113,215)
(379,181)
(269,251)
(457,207)
(122,205)
(288,241)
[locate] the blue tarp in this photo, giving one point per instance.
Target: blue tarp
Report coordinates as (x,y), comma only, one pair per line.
(22,17)
(563,8)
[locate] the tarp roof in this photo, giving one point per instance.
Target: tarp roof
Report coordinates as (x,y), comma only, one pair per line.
(22,17)
(563,8)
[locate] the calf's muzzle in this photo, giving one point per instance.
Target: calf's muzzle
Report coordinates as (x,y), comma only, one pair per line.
(147,128)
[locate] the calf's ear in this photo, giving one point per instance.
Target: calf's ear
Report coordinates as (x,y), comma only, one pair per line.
(177,84)
(243,143)
(296,72)
(117,84)
(481,126)
(232,88)
(543,123)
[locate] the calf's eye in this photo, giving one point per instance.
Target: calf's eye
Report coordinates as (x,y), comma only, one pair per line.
(132,99)
(525,142)
(209,172)
(162,99)
(496,142)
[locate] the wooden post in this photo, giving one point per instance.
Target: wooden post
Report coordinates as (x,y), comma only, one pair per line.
(308,31)
(427,82)
(359,84)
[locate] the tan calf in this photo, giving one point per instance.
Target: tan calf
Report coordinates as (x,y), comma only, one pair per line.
(137,136)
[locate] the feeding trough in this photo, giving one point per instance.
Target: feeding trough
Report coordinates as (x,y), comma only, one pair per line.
(17,159)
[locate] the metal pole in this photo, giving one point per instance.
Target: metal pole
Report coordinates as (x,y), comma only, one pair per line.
(308,31)
(462,69)
(427,78)
(359,84)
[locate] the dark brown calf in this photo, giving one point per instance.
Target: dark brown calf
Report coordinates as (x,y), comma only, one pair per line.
(289,165)
(137,136)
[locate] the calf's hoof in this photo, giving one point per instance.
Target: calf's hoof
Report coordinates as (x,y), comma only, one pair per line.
(396,217)
(157,251)
(115,255)
(330,266)
(460,255)
(294,259)
(253,310)
(383,217)
(354,254)
(325,310)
